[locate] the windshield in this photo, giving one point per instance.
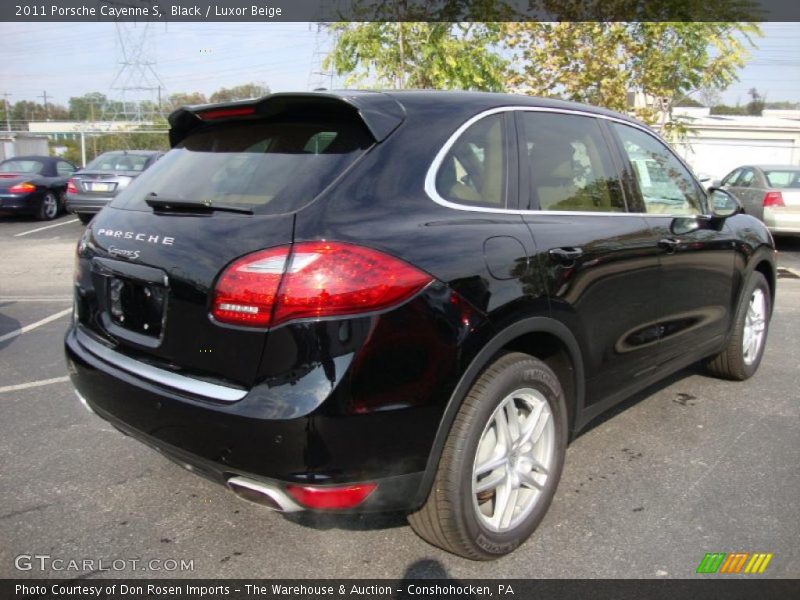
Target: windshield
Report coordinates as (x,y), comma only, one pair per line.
(788,178)
(21,166)
(118,161)
(267,167)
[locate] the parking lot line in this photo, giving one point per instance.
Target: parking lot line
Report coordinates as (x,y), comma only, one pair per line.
(46,227)
(27,328)
(31,384)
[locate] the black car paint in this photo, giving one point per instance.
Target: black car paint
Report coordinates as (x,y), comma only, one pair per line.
(371,398)
(48,180)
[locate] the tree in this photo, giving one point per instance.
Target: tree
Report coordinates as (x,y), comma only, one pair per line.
(239,92)
(418,55)
(88,107)
(757,102)
(601,62)
(187,99)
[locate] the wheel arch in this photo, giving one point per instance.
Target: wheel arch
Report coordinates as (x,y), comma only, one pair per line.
(542,337)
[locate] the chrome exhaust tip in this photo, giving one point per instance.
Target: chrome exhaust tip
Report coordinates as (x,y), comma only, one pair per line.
(262,493)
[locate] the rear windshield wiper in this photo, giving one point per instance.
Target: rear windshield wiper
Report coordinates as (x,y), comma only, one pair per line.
(152,199)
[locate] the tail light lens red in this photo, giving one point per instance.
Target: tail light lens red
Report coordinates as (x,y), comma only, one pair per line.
(773,199)
(71,189)
(226,113)
(331,498)
(312,280)
(22,188)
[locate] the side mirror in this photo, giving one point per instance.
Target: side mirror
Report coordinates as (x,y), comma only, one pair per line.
(722,204)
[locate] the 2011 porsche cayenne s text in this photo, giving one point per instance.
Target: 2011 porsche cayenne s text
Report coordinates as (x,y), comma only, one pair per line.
(366,301)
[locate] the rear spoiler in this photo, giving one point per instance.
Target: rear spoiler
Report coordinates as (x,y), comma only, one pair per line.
(379,112)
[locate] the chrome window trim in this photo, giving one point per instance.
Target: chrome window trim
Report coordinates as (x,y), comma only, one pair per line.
(154,374)
(430,176)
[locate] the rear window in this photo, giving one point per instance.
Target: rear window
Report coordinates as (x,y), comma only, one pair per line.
(267,167)
(21,166)
(119,161)
(783,179)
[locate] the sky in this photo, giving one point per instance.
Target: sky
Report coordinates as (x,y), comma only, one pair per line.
(71,59)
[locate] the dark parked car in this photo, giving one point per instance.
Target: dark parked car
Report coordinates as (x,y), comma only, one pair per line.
(769,192)
(34,185)
(103,178)
(406,300)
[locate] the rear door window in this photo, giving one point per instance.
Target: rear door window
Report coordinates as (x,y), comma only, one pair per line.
(268,167)
(569,164)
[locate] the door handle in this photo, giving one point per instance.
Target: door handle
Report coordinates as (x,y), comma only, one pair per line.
(566,255)
(669,244)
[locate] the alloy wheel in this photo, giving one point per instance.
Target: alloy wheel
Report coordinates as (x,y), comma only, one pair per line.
(755,325)
(513,460)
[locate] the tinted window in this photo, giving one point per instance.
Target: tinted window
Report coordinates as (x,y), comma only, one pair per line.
(730,178)
(264,166)
(746,178)
(64,168)
(475,169)
(21,166)
(570,168)
(118,161)
(666,185)
(783,179)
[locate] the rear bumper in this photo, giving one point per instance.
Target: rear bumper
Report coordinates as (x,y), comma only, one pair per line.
(222,441)
(19,204)
(79,203)
(782,220)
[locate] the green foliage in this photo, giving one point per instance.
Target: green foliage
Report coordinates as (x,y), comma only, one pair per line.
(418,55)
(239,92)
(599,63)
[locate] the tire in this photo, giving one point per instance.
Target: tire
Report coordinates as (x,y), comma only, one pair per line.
(84,218)
(460,517)
(48,208)
(742,354)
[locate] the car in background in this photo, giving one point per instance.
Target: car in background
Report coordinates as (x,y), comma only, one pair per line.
(103,178)
(770,193)
(34,185)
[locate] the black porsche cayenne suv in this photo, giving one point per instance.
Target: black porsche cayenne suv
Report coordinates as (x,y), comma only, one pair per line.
(366,301)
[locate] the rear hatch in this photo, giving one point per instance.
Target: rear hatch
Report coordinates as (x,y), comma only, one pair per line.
(230,186)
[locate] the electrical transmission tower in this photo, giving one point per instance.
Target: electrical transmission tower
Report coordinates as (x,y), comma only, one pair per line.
(136,91)
(318,76)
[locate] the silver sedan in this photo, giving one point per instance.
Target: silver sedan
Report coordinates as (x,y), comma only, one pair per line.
(769,192)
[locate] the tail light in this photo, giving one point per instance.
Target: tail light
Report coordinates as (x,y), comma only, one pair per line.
(71,189)
(312,280)
(773,199)
(332,498)
(225,113)
(22,188)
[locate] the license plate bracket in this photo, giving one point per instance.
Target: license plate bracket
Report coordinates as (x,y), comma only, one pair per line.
(137,306)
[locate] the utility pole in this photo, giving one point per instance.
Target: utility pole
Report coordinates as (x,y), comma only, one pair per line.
(44,97)
(8,111)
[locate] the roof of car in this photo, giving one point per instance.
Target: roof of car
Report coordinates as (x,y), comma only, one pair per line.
(381,110)
(134,152)
(34,157)
(774,167)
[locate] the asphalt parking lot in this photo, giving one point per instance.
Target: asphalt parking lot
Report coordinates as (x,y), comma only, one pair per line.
(693,465)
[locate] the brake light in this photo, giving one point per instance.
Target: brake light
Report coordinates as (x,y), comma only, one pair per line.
(224,113)
(773,199)
(336,498)
(71,189)
(312,280)
(22,188)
